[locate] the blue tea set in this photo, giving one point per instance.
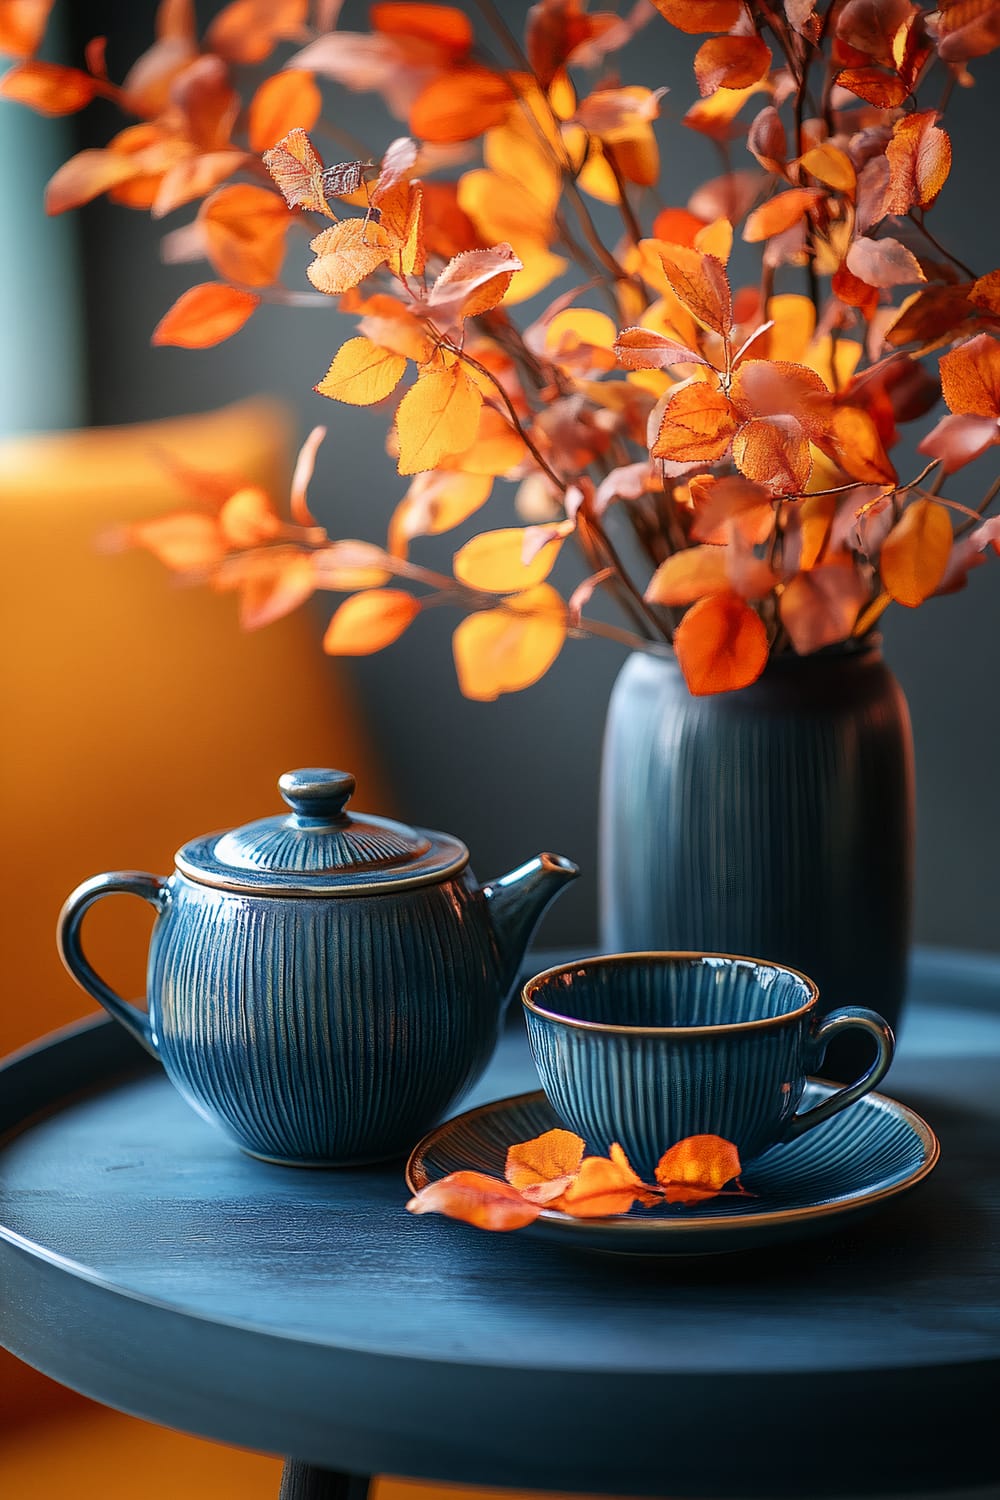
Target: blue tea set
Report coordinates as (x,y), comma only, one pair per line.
(323,985)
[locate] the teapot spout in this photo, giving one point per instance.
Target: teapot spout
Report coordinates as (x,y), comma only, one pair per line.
(516,903)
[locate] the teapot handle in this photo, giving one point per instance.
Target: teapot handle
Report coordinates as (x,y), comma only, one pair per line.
(124,882)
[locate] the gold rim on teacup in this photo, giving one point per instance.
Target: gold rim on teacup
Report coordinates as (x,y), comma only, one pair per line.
(619,960)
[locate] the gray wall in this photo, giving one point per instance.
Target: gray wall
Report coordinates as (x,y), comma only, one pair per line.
(521,774)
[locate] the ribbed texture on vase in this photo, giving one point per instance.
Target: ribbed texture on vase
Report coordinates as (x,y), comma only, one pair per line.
(774,822)
(648,1092)
(355,1036)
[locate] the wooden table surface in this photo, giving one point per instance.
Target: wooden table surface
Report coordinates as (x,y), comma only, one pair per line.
(149,1264)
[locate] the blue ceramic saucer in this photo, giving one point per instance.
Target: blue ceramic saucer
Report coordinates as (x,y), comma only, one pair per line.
(853,1163)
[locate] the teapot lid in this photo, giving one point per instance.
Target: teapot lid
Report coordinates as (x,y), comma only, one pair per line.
(319,849)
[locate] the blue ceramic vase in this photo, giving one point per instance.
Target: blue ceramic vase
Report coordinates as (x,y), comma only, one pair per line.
(775,821)
(322,985)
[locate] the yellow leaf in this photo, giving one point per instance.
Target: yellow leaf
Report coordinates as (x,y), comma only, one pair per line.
(435,417)
(507,649)
(366,622)
(346,253)
(362,373)
(830,165)
(915,554)
(436,500)
(494,561)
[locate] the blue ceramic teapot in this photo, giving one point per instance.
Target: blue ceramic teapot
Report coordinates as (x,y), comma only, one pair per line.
(323,985)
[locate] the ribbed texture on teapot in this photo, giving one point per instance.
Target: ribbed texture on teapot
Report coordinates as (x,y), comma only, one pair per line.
(276,846)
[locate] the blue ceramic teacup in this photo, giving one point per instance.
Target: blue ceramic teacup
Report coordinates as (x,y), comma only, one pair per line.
(647,1048)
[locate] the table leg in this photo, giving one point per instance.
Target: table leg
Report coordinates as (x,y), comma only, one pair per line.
(303,1482)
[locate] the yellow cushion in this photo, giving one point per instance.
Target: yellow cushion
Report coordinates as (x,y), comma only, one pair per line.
(136,714)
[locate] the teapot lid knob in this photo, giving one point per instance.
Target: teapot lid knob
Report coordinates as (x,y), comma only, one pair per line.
(317,794)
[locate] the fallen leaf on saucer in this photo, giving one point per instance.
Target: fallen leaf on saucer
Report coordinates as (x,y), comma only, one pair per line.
(697,1168)
(551,1170)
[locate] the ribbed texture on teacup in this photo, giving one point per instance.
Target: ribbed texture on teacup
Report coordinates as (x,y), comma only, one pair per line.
(648,1089)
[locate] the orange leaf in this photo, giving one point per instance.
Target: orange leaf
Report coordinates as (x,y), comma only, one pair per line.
(369,621)
(85,176)
(286,101)
(696,16)
(644,349)
(854,443)
(543,1168)
(485,1202)
(883,263)
(248,518)
(967,29)
(677,226)
(697,1168)
(346,253)
(698,425)
(986,292)
(701,283)
(473,282)
(720,645)
(693,573)
(884,90)
(781,388)
(925,317)
(22,26)
(436,501)
(245,230)
(820,607)
(246,31)
(193,177)
(271,583)
(48,88)
(186,541)
(298,492)
(970,377)
(730,502)
(362,373)
(780,213)
(730,62)
(442,25)
(298,171)
(205,315)
(435,418)
(494,561)
(919,162)
(460,104)
(507,649)
(603,1185)
(915,554)
(774,451)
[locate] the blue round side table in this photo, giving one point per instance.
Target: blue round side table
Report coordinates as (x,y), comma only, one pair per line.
(148,1264)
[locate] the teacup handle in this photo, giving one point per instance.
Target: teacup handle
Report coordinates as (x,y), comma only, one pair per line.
(848,1017)
(123,882)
